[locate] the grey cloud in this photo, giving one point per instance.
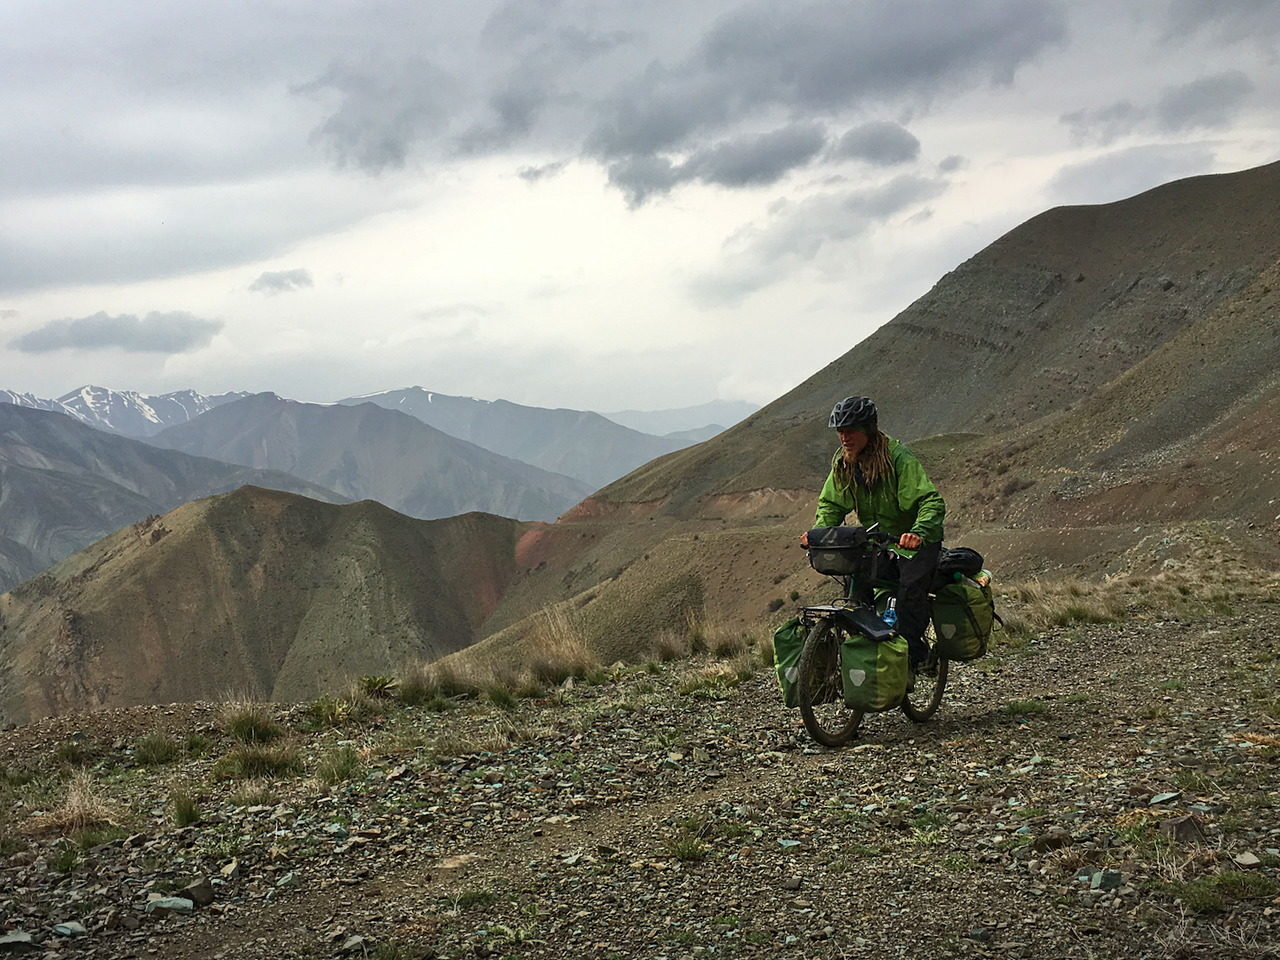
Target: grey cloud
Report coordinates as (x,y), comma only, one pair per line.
(762,159)
(881,142)
(542,171)
(1123,173)
(753,160)
(797,232)
(1104,125)
(952,163)
(8,314)
(168,333)
(386,109)
(1206,102)
(281,281)
(1229,20)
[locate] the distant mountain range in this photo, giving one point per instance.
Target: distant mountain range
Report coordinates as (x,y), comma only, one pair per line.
(368,452)
(124,411)
(577,443)
(686,421)
(64,485)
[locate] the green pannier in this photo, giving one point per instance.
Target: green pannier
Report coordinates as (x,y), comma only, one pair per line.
(788,643)
(964,613)
(874,673)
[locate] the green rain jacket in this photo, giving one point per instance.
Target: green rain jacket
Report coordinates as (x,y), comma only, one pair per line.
(907,503)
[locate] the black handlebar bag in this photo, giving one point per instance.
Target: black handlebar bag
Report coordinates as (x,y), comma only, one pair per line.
(839,551)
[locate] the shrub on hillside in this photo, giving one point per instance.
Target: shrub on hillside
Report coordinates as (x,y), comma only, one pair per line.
(155,749)
(258,761)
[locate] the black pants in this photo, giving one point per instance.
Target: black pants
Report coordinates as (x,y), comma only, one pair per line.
(915,576)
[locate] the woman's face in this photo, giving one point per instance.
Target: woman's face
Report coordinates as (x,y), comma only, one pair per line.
(852,440)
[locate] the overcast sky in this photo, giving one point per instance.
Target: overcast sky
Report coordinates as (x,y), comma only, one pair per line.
(586,204)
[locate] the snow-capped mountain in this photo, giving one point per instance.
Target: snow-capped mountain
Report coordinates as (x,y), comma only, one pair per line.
(125,412)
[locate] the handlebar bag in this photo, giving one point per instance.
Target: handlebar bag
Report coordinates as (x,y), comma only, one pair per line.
(964,613)
(838,551)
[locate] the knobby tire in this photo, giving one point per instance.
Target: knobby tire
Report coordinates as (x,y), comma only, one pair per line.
(923,702)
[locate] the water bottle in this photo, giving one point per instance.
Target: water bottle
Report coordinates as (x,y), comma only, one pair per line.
(890,615)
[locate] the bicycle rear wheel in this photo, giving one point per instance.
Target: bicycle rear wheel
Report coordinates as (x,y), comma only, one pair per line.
(821,690)
(923,702)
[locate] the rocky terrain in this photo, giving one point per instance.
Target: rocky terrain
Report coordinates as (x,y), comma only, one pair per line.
(1090,789)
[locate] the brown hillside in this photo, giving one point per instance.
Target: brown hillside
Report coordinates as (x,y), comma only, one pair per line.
(253,591)
(1054,310)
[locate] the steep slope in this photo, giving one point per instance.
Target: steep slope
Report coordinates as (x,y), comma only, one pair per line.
(256,591)
(576,443)
(367,451)
(64,485)
(1040,319)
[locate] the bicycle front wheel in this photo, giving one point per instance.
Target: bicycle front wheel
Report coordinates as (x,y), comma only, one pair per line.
(821,690)
(923,702)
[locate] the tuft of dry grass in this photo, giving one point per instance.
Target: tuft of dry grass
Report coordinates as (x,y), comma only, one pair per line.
(560,650)
(668,646)
(83,808)
(254,793)
(252,761)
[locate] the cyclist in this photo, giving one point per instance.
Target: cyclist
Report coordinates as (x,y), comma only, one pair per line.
(881,481)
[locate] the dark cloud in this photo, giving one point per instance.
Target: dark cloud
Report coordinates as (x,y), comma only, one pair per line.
(281,281)
(952,163)
(1206,102)
(169,333)
(755,160)
(752,160)
(541,172)
(1123,173)
(797,231)
(881,143)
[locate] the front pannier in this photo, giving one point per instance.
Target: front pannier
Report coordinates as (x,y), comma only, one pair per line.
(874,674)
(838,551)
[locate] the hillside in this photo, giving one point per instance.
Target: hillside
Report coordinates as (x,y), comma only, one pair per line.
(64,485)
(1051,312)
(369,452)
(257,591)
(576,443)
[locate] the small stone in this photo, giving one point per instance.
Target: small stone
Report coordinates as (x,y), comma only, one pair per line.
(981,934)
(791,883)
(19,941)
(1246,861)
(1165,797)
(199,892)
(71,928)
(1104,880)
(231,870)
(168,905)
(1183,829)
(353,945)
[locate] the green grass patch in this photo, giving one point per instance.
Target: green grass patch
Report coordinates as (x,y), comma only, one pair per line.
(258,760)
(1216,893)
(155,749)
(251,723)
(686,843)
(183,807)
(1025,708)
(339,766)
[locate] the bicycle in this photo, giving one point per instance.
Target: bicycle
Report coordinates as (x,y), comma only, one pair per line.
(856,566)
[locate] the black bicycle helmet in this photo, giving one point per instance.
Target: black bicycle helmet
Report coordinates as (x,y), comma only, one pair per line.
(853,412)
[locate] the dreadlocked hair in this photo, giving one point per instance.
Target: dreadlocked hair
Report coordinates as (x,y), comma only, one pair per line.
(874,465)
